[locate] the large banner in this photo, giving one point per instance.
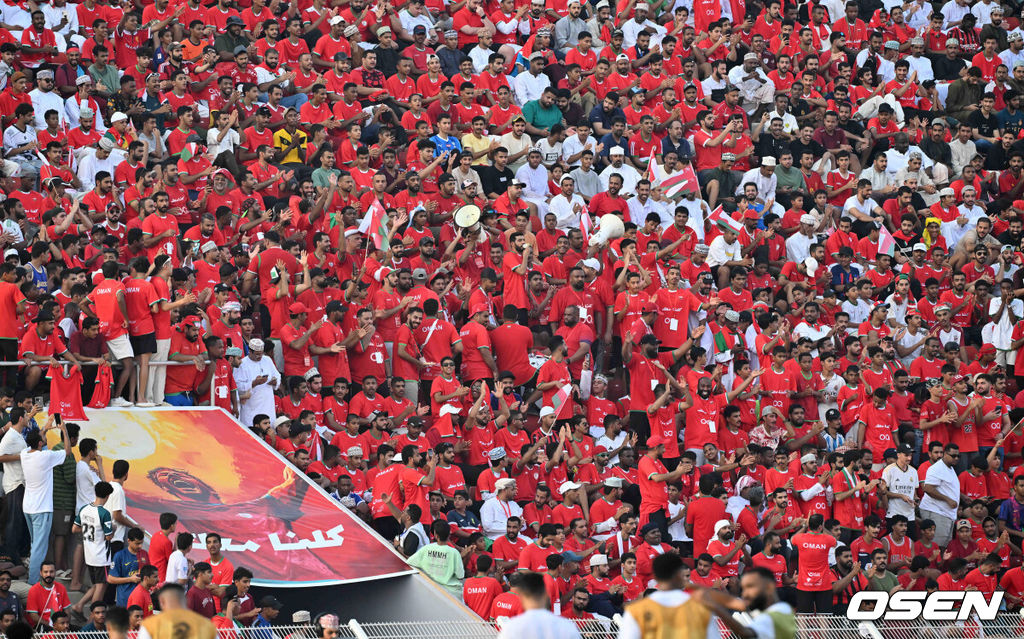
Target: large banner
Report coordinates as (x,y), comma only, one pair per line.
(216,476)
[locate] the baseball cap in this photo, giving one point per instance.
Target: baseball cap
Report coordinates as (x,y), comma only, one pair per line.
(567,486)
(296,308)
(655,440)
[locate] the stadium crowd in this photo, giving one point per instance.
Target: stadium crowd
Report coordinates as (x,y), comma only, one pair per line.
(384,237)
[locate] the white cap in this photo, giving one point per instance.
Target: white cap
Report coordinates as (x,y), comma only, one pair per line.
(256,344)
(567,486)
(811,264)
(335,20)
(598,559)
(947,191)
(358,450)
(117,117)
(768,161)
(808,458)
(207,246)
(11,252)
(592,262)
(722,523)
(547,410)
(503,483)
(920,246)
(616,150)
(807,218)
(397,457)
(281,419)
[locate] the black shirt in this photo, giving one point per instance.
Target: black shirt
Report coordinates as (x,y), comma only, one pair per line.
(946,69)
(493,180)
(987,126)
(937,151)
(387,60)
(768,145)
(682,149)
(599,115)
(799,148)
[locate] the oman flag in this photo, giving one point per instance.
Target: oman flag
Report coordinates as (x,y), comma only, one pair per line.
(886,242)
(375,224)
(562,402)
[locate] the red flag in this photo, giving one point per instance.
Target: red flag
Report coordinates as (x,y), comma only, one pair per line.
(562,402)
(585,225)
(445,425)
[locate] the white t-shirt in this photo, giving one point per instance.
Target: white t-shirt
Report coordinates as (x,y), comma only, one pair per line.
(12,444)
(96,524)
(85,484)
(38,468)
(719,252)
(902,483)
(114,503)
(177,567)
(945,480)
(230,141)
(539,624)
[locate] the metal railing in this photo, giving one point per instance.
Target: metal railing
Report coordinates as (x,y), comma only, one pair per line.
(117,364)
(1005,626)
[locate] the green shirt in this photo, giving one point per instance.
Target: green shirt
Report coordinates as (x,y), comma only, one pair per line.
(321,176)
(885,581)
(64,494)
(791,177)
(540,117)
(441,563)
(227,42)
(108,76)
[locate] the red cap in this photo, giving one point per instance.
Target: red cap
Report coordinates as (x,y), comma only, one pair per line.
(958,379)
(986,349)
(648,307)
(655,440)
(296,308)
(752,214)
(479,308)
(191,320)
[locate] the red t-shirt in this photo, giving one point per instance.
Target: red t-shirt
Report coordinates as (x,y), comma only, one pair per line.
(813,573)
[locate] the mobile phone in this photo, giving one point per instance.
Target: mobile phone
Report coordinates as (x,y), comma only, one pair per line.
(38,400)
(57,419)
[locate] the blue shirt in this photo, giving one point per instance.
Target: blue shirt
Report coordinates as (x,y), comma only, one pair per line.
(451,144)
(125,565)
(842,277)
(12,603)
(264,625)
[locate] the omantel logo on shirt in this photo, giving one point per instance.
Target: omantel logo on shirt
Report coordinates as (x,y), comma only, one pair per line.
(938,606)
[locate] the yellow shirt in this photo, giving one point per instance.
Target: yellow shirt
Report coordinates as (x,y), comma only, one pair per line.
(472,143)
(282,139)
(179,624)
(688,620)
